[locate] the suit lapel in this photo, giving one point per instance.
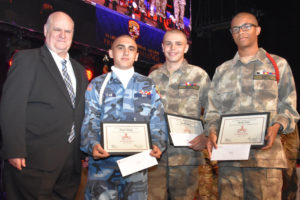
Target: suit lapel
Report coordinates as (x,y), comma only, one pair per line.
(79,81)
(52,68)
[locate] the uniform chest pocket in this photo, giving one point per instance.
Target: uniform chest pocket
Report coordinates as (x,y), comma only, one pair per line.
(142,105)
(227,99)
(189,93)
(265,84)
(265,94)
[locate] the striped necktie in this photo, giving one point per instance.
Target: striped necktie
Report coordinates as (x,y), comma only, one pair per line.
(68,82)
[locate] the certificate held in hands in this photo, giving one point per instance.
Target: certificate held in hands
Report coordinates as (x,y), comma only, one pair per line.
(183,129)
(248,128)
(122,138)
(238,133)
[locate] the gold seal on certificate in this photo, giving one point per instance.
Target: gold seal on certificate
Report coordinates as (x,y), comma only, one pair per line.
(122,138)
(247,128)
(183,129)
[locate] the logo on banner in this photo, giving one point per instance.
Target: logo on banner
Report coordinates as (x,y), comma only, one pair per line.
(134,29)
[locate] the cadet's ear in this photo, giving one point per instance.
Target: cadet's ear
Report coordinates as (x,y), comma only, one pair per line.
(110,53)
(186,48)
(136,57)
(258,30)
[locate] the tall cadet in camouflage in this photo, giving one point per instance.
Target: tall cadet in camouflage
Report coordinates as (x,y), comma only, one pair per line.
(246,84)
(128,97)
(183,89)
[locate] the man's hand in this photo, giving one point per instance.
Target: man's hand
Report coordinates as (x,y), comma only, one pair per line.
(198,143)
(271,135)
(155,152)
(99,152)
(211,142)
(17,162)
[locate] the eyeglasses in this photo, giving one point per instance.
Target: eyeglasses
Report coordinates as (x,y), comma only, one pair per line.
(244,27)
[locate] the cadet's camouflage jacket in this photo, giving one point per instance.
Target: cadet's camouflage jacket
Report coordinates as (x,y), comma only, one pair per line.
(138,103)
(183,93)
(246,88)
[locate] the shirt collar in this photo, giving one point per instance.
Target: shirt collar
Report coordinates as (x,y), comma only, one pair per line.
(115,75)
(57,58)
(182,69)
(259,56)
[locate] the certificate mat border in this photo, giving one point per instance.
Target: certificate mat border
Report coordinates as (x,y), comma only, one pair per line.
(267,114)
(124,152)
(181,116)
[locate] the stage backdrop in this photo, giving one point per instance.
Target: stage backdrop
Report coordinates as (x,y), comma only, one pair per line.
(143,24)
(111,24)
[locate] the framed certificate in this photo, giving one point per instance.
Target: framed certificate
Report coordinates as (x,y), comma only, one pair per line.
(122,138)
(247,128)
(183,129)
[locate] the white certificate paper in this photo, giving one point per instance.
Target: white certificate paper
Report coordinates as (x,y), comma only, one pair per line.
(182,139)
(231,152)
(125,138)
(183,129)
(136,162)
(248,128)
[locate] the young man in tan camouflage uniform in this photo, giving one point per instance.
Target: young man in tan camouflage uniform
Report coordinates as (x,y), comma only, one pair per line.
(246,84)
(178,169)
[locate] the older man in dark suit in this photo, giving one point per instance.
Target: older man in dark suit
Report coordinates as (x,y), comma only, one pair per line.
(41,114)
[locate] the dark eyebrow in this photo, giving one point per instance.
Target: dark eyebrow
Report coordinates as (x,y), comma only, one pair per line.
(132,47)
(120,45)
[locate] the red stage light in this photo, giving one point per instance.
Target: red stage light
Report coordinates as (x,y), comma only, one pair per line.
(10,62)
(89,74)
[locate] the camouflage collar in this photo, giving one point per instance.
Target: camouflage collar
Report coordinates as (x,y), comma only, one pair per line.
(182,69)
(260,56)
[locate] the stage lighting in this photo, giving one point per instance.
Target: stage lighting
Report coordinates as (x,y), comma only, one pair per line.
(89,73)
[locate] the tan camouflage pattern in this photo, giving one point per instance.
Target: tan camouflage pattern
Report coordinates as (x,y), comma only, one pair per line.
(185,102)
(157,182)
(183,182)
(290,144)
(234,89)
(182,174)
(250,183)
(208,180)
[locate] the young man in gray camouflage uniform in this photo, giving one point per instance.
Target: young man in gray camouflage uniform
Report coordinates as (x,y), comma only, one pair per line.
(246,84)
(127,97)
(178,170)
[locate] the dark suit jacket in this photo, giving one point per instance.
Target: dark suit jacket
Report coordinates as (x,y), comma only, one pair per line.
(37,113)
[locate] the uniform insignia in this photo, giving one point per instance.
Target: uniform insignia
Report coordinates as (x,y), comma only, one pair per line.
(264,75)
(263,72)
(89,88)
(110,94)
(157,90)
(142,93)
(188,85)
